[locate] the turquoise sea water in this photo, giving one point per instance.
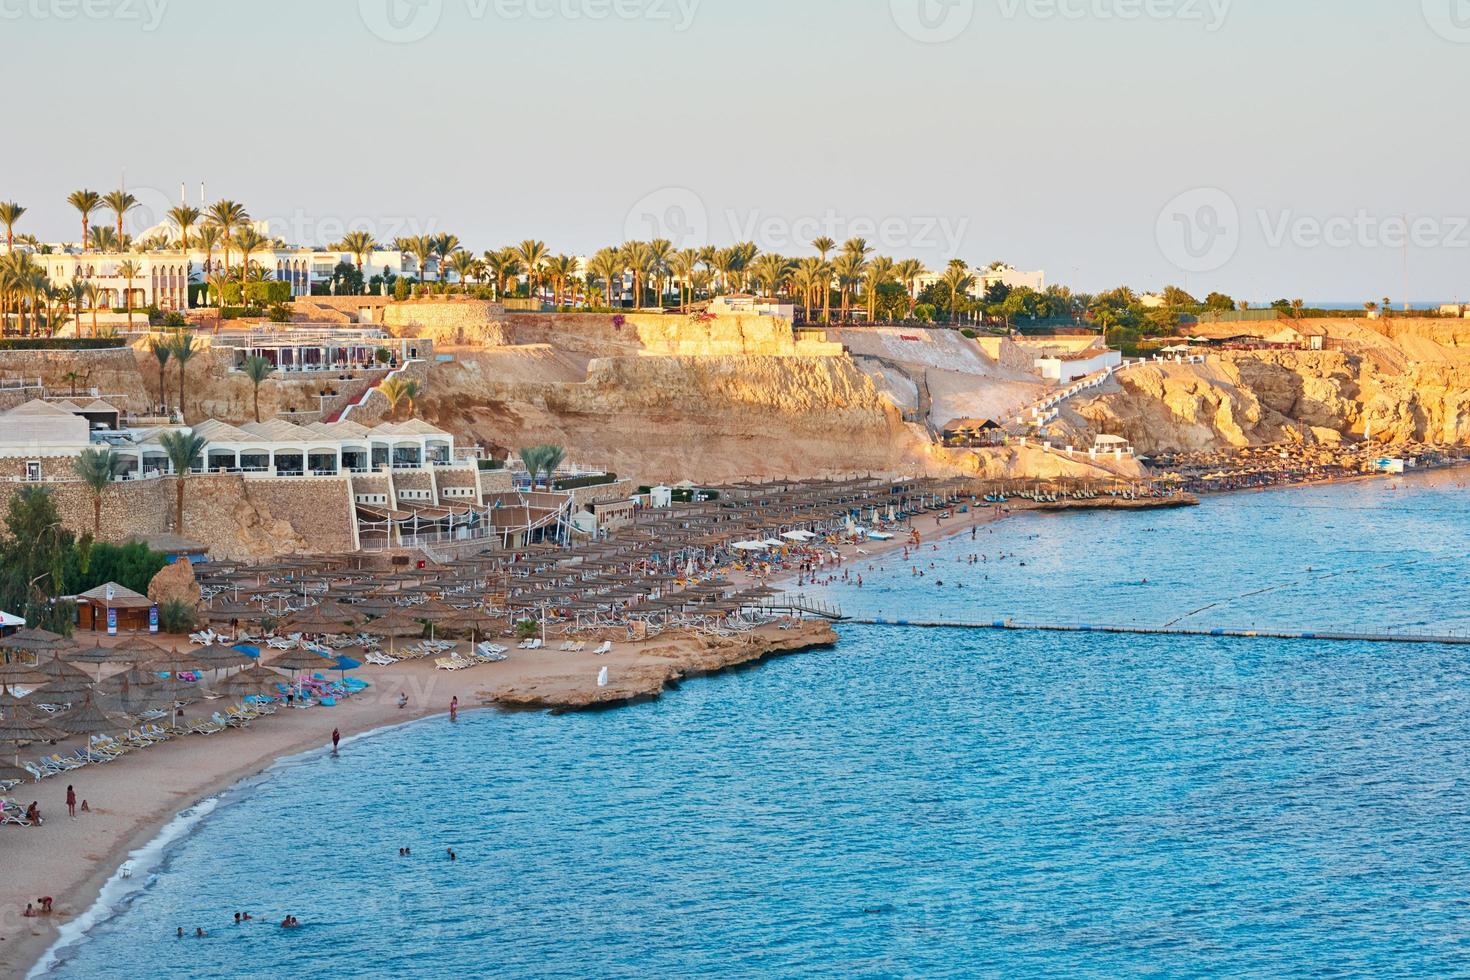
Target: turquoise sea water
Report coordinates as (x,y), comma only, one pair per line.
(918,803)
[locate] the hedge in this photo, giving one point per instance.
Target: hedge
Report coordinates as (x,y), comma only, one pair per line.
(492,464)
(579,482)
(258,293)
(60,343)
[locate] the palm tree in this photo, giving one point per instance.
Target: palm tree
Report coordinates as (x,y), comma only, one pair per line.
(119,203)
(411,392)
(661,251)
(183,347)
(360,244)
(395,390)
(773,270)
(444,247)
(94,299)
(104,239)
(216,287)
(10,213)
(208,237)
(77,294)
(97,468)
(638,259)
(560,269)
(542,459)
(532,254)
(858,247)
(1296,308)
(879,273)
(162,351)
(681,266)
(184,451)
(823,245)
(129,270)
(464,265)
(608,267)
(248,241)
(185,217)
(228,217)
(421,247)
(87,202)
(958,279)
(257,369)
(909,272)
(848,269)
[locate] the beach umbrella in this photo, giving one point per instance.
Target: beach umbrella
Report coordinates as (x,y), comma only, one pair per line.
(88,719)
(139,650)
(21,725)
(251,681)
(218,656)
(97,654)
(318,620)
(34,640)
(25,675)
(398,623)
(63,690)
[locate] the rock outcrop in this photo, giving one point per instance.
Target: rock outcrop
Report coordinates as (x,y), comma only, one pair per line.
(176,583)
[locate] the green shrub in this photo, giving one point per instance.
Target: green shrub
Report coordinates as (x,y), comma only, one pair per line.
(258,293)
(527,629)
(59,343)
(492,464)
(967,332)
(236,312)
(279,313)
(175,616)
(578,482)
(401,289)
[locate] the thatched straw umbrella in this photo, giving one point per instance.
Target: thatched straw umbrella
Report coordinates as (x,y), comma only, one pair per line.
(252,681)
(22,725)
(88,719)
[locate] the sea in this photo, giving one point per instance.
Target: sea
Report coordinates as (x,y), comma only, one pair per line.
(913,802)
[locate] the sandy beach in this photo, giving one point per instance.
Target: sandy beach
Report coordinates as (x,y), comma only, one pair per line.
(134,797)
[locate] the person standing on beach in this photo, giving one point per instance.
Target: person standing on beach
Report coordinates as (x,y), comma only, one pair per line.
(71,801)
(454,708)
(336,738)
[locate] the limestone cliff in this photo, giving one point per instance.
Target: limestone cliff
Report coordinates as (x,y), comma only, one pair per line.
(1397,381)
(707,418)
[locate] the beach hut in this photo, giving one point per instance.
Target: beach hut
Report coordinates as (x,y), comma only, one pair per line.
(115,609)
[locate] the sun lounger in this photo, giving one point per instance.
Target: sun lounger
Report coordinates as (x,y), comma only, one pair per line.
(606,648)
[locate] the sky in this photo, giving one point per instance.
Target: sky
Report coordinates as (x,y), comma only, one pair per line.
(1265,148)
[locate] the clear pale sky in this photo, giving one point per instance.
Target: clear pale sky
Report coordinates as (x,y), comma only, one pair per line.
(1049,133)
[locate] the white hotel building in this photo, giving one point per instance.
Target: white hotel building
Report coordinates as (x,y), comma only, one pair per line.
(163,277)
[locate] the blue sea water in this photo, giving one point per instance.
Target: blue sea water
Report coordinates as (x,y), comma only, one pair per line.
(919,803)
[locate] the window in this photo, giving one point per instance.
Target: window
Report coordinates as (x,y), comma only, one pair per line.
(33,471)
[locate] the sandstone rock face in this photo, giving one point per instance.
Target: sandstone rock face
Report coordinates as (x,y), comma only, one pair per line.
(1410,382)
(176,583)
(707,418)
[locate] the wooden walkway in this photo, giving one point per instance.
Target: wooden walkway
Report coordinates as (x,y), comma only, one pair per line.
(1254,634)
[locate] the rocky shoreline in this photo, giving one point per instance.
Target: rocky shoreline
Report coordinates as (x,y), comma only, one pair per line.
(658,665)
